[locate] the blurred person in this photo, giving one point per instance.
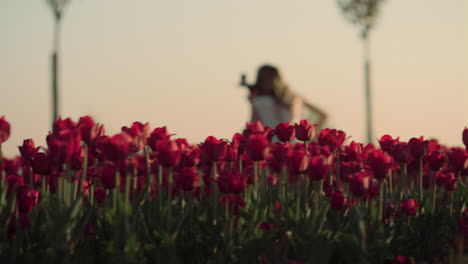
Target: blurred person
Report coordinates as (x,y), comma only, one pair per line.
(273,102)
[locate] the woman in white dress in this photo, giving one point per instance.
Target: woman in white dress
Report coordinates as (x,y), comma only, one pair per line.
(273,102)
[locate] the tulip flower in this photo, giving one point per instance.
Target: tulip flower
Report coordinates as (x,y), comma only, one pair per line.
(28,150)
(117,147)
(417,147)
(457,158)
(158,134)
(285,132)
(233,182)
(436,160)
(332,138)
(318,168)
(387,144)
(379,163)
(463,223)
(338,201)
(465,137)
(298,162)
(257,147)
(409,206)
(359,184)
(187,179)
(4,130)
(100,194)
(305,131)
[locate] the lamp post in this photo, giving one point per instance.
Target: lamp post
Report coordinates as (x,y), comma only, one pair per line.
(57,7)
(363,13)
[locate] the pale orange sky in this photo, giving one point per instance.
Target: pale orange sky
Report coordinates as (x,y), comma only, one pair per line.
(177,63)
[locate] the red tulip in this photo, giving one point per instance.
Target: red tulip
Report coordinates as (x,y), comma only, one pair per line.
(418,147)
(139,133)
(63,144)
(435,159)
(158,134)
(4,130)
(190,158)
(11,166)
(465,137)
(24,221)
(305,131)
(359,184)
(89,229)
(100,194)
(285,132)
(213,149)
(61,125)
(379,163)
(338,201)
(28,150)
(257,147)
(41,163)
(265,226)
(332,138)
(168,153)
(318,168)
(254,128)
(89,129)
(457,158)
(352,152)
(117,147)
(187,179)
(233,182)
(108,177)
(409,206)
(463,223)
(298,162)
(281,151)
(11,228)
(387,144)
(401,152)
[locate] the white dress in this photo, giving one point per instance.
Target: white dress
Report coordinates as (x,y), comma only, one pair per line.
(271,113)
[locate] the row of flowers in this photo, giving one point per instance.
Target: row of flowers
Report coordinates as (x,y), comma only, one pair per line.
(289,165)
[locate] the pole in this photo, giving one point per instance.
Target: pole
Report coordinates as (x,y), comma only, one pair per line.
(54,68)
(367,87)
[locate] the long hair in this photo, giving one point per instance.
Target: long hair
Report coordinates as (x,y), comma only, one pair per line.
(269,82)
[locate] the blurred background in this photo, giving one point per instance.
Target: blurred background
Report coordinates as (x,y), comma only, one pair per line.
(178,64)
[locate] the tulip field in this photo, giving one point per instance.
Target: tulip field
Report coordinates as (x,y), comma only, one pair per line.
(289,194)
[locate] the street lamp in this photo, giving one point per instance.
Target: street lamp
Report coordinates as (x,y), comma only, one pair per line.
(363,13)
(57,7)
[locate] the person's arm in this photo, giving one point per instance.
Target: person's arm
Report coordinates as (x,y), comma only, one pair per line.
(321,113)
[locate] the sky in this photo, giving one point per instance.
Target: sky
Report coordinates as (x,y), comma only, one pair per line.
(178,64)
